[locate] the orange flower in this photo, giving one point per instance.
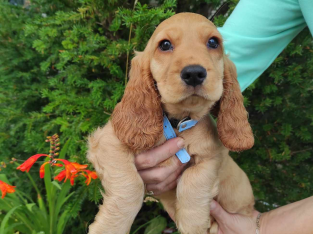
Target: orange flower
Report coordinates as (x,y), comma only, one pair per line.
(42,168)
(69,168)
(30,162)
(79,166)
(60,176)
(73,176)
(93,174)
(6,188)
(71,171)
(90,174)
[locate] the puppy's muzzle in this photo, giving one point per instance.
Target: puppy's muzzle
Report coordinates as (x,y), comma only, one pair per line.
(193,75)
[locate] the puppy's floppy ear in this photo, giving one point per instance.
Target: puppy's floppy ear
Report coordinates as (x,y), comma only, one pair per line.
(138,119)
(232,122)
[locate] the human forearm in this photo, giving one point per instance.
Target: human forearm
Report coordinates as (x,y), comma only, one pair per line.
(257,31)
(290,219)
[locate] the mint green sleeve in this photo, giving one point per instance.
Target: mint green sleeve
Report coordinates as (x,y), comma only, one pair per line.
(258,30)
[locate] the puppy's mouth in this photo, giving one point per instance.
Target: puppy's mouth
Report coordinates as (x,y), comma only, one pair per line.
(196,96)
(197,92)
(193,97)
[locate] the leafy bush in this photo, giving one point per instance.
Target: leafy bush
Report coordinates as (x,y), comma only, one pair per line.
(280,165)
(63,68)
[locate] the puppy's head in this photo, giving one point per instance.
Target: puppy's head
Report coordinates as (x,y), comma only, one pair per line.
(184,71)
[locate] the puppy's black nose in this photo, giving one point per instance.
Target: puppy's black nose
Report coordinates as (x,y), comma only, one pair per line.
(193,75)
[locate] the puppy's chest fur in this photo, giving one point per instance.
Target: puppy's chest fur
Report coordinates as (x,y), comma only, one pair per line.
(201,141)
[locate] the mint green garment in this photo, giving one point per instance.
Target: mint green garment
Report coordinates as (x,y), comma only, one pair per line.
(258,30)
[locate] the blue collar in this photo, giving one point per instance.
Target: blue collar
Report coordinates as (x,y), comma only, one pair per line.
(169,133)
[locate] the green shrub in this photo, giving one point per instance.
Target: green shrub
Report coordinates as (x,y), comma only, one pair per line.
(63,68)
(280,165)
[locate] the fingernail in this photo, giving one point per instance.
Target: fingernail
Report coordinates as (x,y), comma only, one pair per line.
(180,143)
(213,205)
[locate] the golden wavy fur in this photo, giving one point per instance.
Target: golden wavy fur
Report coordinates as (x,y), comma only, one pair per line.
(155,86)
(138,118)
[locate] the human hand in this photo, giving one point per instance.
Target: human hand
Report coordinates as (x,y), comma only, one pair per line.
(160,179)
(233,223)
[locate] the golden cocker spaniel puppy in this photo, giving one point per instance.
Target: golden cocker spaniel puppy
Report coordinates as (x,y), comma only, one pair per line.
(182,72)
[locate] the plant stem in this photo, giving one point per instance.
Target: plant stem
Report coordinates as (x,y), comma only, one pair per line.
(33,183)
(36,188)
(52,211)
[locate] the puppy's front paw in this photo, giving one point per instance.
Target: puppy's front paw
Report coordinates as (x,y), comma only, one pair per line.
(189,222)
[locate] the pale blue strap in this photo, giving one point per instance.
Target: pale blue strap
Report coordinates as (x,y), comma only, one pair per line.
(187,124)
(169,133)
(183,156)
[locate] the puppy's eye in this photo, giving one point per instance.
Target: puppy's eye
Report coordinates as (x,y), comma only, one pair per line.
(165,45)
(213,43)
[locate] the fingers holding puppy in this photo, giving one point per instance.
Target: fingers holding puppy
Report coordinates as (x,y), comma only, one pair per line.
(160,179)
(151,158)
(166,185)
(159,174)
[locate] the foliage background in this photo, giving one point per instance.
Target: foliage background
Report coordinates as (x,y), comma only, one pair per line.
(63,65)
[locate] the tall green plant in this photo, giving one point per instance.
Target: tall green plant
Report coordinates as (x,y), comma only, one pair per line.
(50,213)
(28,216)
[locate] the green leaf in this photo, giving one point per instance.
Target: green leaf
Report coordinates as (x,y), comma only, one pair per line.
(156,226)
(29,206)
(6,218)
(12,227)
(286,129)
(56,184)
(41,204)
(62,222)
(115,25)
(64,149)
(62,198)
